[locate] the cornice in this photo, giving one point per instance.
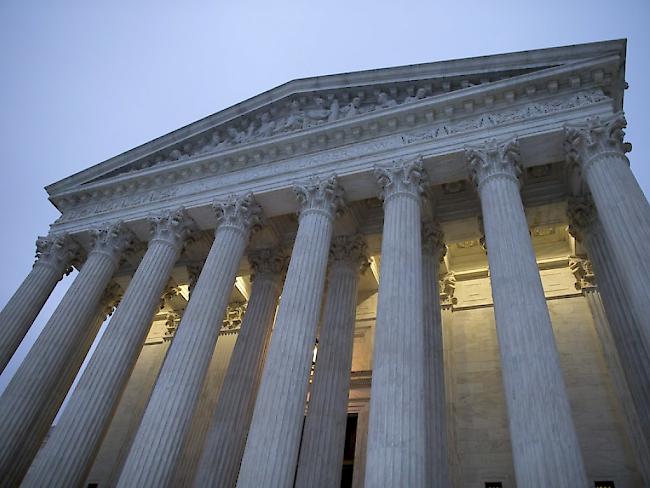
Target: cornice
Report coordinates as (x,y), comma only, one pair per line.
(447,106)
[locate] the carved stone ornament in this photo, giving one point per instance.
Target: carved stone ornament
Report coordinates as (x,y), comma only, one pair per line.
(145,186)
(447,290)
(193,272)
(433,240)
(349,251)
(401,178)
(233,317)
(493,159)
(320,195)
(271,263)
(596,137)
(114,240)
(583,273)
(110,299)
(171,324)
(240,213)
(174,227)
(57,251)
(582,216)
(171,291)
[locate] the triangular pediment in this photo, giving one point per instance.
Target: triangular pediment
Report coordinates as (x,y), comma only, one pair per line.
(322,102)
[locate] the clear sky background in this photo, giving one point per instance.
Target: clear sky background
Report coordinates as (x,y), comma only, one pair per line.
(83,81)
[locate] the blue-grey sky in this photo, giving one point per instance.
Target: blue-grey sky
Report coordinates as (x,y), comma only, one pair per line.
(83,81)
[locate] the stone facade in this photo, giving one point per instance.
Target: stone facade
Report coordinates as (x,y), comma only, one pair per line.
(458,206)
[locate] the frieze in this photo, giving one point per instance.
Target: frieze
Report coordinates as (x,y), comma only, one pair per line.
(494,119)
(176,186)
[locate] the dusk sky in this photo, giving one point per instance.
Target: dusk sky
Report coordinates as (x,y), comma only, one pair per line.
(84,81)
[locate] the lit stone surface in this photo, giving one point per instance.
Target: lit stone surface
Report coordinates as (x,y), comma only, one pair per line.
(175,395)
(53,257)
(225,442)
(323,438)
(437,466)
(274,437)
(68,453)
(32,398)
(620,331)
(545,446)
(397,425)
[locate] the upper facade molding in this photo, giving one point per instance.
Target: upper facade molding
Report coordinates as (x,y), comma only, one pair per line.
(378,111)
(397,83)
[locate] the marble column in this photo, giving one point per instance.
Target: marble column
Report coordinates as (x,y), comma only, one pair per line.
(273,441)
(625,331)
(597,147)
(396,430)
(433,250)
(545,446)
(323,438)
(447,287)
(68,454)
(360,449)
(175,396)
(54,254)
(36,391)
(226,440)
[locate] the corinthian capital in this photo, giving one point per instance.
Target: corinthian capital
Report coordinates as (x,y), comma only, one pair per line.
(433,240)
(582,216)
(268,263)
(239,213)
(56,251)
(401,178)
(349,251)
(583,273)
(320,196)
(448,289)
(493,159)
(173,227)
(596,137)
(113,240)
(110,299)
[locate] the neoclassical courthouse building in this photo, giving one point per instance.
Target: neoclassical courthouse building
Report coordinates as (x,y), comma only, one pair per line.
(424,276)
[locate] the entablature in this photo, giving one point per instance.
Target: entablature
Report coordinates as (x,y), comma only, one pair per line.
(474,106)
(538,125)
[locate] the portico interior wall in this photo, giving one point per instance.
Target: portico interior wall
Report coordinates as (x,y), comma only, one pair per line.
(480,422)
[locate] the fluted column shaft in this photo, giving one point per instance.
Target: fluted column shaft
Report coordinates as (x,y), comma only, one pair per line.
(545,446)
(35,393)
(174,398)
(226,440)
(68,454)
(434,366)
(623,210)
(273,441)
(632,351)
(54,254)
(632,420)
(396,431)
(323,439)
